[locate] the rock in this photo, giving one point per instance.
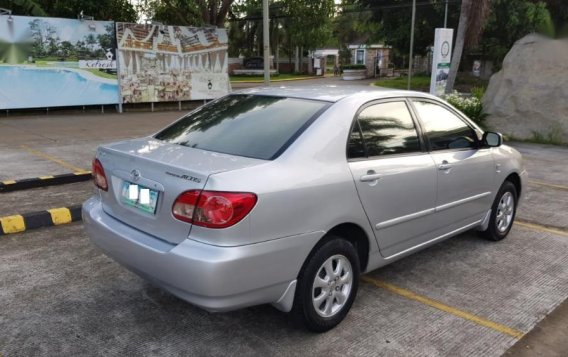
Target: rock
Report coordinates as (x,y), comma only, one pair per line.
(529,96)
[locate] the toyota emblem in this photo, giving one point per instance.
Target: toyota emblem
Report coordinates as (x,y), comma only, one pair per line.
(135,175)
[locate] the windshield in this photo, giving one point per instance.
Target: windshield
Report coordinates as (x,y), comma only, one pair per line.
(254,126)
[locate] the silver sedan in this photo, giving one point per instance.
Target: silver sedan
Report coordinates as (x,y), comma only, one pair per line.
(286,195)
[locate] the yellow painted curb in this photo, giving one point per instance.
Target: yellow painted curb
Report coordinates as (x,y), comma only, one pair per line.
(13,224)
(60,215)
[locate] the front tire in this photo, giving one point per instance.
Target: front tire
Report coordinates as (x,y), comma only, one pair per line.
(502,213)
(327,285)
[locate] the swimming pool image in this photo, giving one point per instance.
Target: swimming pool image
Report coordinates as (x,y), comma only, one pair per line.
(25,86)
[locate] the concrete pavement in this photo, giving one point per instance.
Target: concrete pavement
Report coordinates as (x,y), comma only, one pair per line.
(59,295)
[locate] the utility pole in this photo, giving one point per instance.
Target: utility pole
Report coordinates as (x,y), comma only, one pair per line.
(265,35)
(446,16)
(411,44)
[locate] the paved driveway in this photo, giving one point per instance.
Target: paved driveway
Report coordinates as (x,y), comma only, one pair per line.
(59,295)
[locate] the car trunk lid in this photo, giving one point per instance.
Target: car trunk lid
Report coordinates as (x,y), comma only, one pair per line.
(166,170)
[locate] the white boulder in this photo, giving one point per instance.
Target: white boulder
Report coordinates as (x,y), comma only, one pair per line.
(529,96)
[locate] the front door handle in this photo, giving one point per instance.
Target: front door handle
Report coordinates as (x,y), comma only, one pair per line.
(370,176)
(444,166)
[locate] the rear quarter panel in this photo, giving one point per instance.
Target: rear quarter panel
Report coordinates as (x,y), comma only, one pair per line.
(309,188)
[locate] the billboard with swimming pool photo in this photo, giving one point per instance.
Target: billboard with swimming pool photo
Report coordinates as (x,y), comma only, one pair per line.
(161,63)
(52,62)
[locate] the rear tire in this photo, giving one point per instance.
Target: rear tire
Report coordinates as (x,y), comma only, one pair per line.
(327,285)
(503,213)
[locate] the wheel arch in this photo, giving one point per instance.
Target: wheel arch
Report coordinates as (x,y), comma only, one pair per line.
(515,179)
(354,234)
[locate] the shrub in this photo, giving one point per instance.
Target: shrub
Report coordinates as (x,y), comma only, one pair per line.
(354,66)
(470,106)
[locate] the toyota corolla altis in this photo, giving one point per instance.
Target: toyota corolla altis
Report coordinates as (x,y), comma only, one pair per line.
(286,195)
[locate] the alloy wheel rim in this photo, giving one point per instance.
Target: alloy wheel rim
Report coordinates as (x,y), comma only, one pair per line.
(505,210)
(332,286)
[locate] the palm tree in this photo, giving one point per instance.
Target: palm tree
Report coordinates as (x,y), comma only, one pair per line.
(31,7)
(473,16)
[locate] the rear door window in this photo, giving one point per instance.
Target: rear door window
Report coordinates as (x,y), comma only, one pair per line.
(388,129)
(254,126)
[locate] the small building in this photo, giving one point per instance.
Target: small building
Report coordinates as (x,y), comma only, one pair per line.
(375,57)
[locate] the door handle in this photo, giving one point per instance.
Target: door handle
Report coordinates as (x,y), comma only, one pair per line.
(444,166)
(370,177)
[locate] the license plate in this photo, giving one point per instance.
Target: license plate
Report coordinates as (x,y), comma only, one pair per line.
(139,197)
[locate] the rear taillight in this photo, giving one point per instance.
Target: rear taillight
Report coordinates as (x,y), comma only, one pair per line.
(99,175)
(213,209)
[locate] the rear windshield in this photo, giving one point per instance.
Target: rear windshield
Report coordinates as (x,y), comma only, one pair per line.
(245,125)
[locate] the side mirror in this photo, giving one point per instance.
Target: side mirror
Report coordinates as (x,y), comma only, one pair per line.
(492,140)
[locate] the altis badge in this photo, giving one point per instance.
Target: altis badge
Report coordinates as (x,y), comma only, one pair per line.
(184,177)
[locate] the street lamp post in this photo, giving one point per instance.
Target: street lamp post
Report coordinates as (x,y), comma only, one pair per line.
(266,38)
(411,44)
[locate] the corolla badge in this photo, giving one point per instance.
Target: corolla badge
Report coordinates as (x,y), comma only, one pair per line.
(135,174)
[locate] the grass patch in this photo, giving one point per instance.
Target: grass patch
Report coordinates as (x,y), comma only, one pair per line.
(274,76)
(421,83)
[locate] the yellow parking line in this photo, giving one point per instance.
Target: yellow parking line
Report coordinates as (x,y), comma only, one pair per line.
(9,182)
(46,177)
(54,159)
(546,184)
(13,224)
(443,307)
(539,228)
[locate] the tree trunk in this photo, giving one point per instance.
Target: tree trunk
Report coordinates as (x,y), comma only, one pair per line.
(458,48)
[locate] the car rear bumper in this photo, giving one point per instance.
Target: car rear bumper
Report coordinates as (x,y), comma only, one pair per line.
(212,277)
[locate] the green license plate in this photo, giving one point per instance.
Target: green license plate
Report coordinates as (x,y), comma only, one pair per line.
(139,197)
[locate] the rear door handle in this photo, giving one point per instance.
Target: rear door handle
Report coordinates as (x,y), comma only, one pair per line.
(370,177)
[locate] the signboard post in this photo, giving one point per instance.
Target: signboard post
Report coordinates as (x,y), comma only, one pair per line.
(441,60)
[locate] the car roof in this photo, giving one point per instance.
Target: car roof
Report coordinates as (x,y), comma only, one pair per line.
(330,92)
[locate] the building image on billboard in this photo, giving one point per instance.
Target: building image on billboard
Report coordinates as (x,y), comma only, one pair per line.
(160,63)
(52,62)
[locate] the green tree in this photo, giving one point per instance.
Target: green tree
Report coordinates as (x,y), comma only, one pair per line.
(293,24)
(189,12)
(473,16)
(394,17)
(116,10)
(508,22)
(309,22)
(354,26)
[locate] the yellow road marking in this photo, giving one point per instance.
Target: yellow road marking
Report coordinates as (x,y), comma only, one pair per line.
(539,228)
(546,184)
(54,159)
(9,182)
(13,224)
(82,172)
(60,215)
(45,177)
(443,307)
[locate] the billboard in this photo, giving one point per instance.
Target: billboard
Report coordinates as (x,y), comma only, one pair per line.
(51,62)
(441,61)
(159,63)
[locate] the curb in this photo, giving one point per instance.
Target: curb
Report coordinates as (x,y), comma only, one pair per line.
(52,217)
(43,181)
